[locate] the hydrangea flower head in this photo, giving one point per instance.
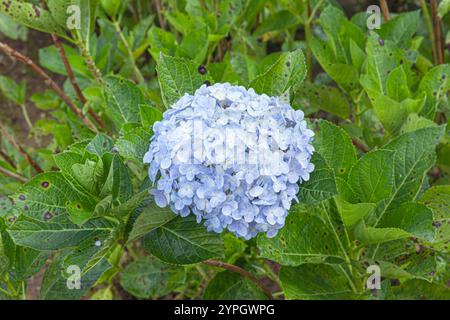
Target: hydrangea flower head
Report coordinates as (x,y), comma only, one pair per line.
(231,157)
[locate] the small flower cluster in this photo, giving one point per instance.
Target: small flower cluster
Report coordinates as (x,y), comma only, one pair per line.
(232,158)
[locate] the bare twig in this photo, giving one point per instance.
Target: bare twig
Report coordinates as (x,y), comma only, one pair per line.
(19,148)
(385,10)
(359,145)
(243,273)
(49,81)
(73,81)
(13,175)
(8,159)
(162,21)
(437,29)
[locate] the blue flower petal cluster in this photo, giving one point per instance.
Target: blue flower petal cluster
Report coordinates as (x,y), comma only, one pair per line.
(231,157)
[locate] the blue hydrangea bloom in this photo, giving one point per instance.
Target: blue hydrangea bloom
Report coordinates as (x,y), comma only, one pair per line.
(231,157)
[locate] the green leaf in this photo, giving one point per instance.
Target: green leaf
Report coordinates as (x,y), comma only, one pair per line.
(195,45)
(22,262)
(401,28)
(414,156)
(352,213)
(11,29)
(152,217)
(12,91)
(32,16)
(47,194)
(227,285)
(161,41)
(40,235)
(183,241)
(100,145)
(336,147)
(45,100)
(444,8)
(371,235)
(285,73)
(345,75)
(371,178)
(415,122)
(150,278)
(315,281)
(397,85)
(321,184)
(437,199)
(416,289)
(244,66)
(103,293)
(382,58)
(435,84)
(305,238)
(50,59)
(123,98)
(393,114)
(176,77)
(111,7)
(182,22)
(133,143)
(414,218)
(118,183)
(278,21)
(54,285)
(87,18)
(149,115)
(322,97)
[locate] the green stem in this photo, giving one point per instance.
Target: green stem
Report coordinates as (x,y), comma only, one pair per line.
(429,25)
(88,59)
(269,272)
(24,292)
(349,279)
(6,292)
(308,37)
(26,116)
(12,291)
(136,70)
(314,11)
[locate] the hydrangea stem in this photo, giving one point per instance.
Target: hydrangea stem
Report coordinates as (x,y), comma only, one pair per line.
(73,81)
(13,175)
(48,81)
(242,272)
(385,10)
(13,142)
(137,72)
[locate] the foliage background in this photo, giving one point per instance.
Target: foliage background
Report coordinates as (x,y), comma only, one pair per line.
(74,190)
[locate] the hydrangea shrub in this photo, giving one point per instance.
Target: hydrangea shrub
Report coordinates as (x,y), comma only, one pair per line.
(231,157)
(280,140)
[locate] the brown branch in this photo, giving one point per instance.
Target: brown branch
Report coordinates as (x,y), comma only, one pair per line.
(162,22)
(19,148)
(437,30)
(73,81)
(7,158)
(243,273)
(385,10)
(48,81)
(13,175)
(359,145)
